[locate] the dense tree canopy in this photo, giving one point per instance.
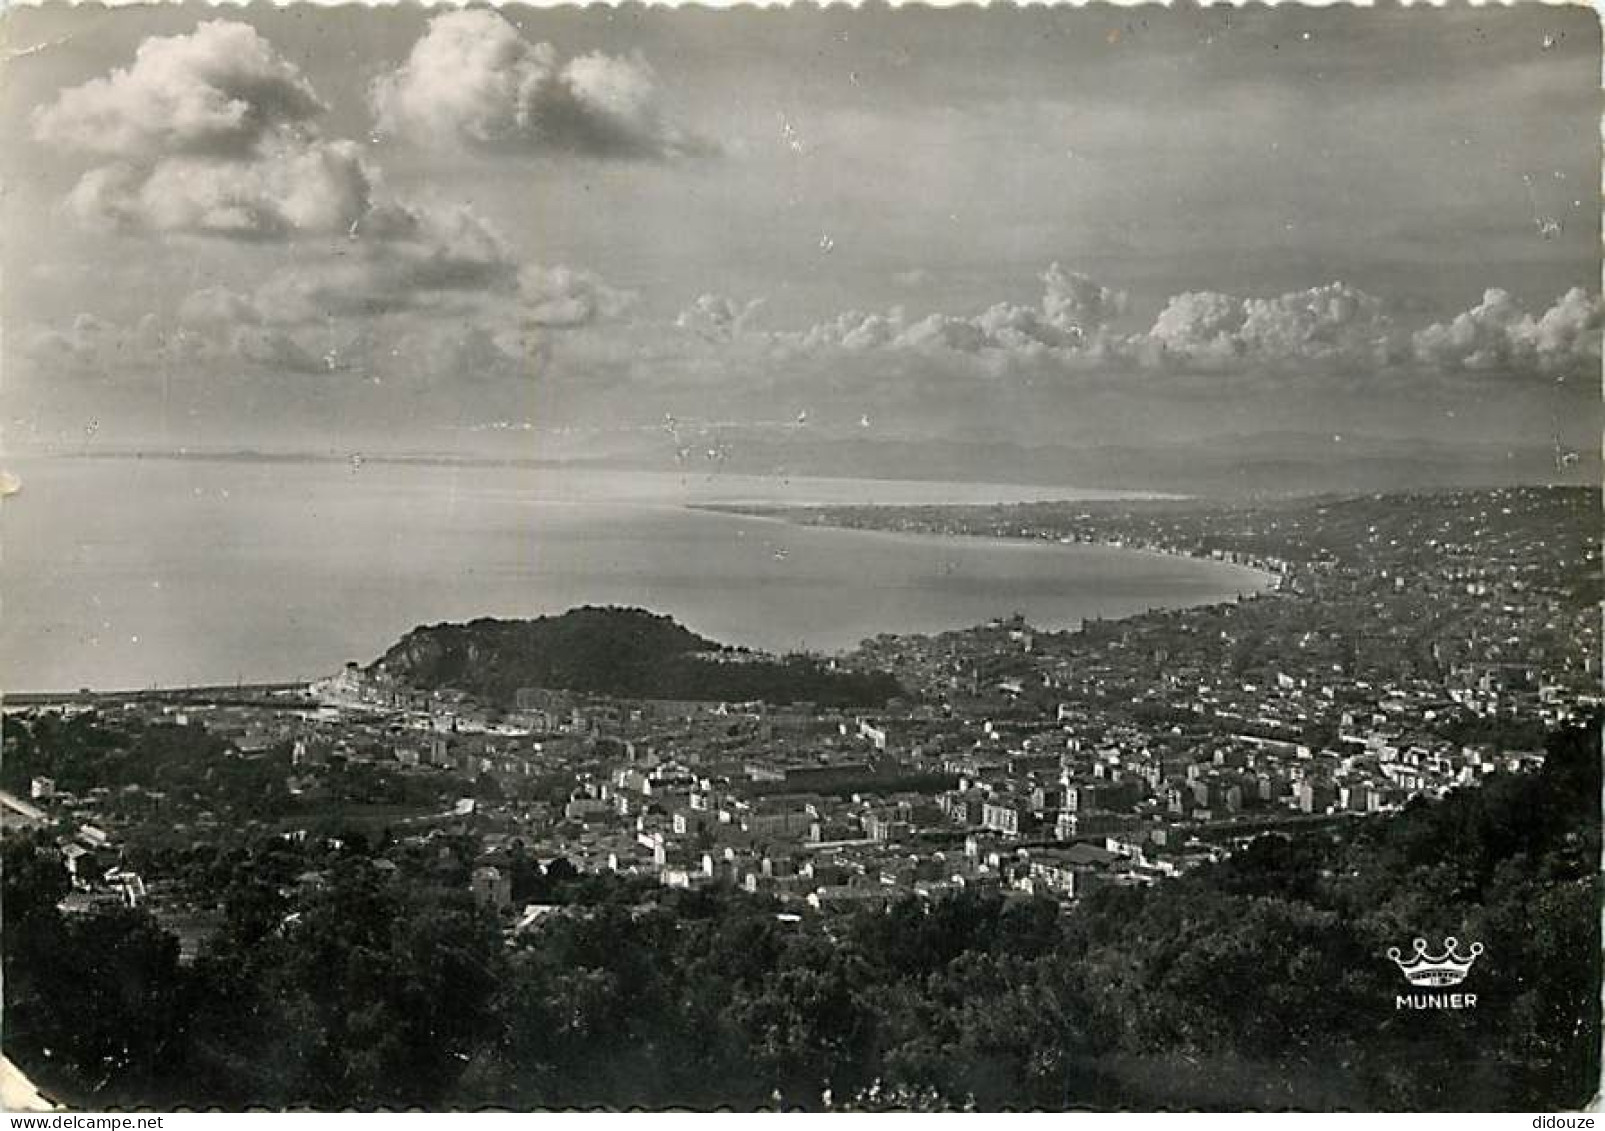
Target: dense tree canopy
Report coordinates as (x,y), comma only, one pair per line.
(628,653)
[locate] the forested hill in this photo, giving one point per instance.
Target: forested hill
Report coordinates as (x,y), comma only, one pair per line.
(630,653)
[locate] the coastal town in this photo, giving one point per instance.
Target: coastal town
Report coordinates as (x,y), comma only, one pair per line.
(1400,647)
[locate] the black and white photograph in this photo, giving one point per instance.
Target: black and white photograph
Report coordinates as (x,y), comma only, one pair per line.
(812,559)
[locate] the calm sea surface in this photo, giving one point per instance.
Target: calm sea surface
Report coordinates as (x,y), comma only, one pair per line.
(121,573)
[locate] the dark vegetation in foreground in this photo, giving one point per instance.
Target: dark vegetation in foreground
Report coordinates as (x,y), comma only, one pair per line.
(620,652)
(1260,982)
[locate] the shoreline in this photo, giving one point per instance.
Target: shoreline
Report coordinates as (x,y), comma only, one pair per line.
(276,693)
(1246,580)
(1270,580)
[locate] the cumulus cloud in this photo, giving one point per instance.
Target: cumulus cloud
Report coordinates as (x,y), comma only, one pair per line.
(854,330)
(429,286)
(469,352)
(472,79)
(94,341)
(1331,324)
(434,249)
(218,333)
(90,345)
(1500,334)
(717,318)
(77,343)
(561,297)
(1199,325)
(941,331)
(407,259)
(449,312)
(1073,302)
(1071,317)
(1568,333)
(217,306)
(275,350)
(211,133)
(1333,336)
(216,91)
(300,188)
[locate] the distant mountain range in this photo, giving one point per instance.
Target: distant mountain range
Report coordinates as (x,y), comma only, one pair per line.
(1249,464)
(1233,465)
(622,652)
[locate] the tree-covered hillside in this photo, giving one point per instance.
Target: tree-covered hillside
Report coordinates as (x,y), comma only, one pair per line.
(622,652)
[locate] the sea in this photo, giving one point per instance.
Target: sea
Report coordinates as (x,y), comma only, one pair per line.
(138,572)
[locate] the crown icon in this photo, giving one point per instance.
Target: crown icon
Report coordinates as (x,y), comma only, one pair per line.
(1447,969)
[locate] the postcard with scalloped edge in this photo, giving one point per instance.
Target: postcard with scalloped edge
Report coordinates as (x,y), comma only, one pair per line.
(809,559)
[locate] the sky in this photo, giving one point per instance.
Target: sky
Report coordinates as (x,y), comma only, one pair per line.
(575,232)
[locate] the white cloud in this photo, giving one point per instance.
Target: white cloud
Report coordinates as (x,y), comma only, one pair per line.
(1072,316)
(1010,326)
(217,306)
(90,345)
(945,331)
(473,79)
(430,309)
(210,133)
(1333,324)
(398,258)
(275,350)
(562,297)
(1073,302)
(1199,325)
(1327,338)
(717,318)
(1568,334)
(77,344)
(1499,334)
(217,91)
(853,330)
(443,249)
(454,352)
(470,76)
(292,188)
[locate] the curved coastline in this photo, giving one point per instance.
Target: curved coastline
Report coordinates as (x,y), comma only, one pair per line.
(334,564)
(1267,581)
